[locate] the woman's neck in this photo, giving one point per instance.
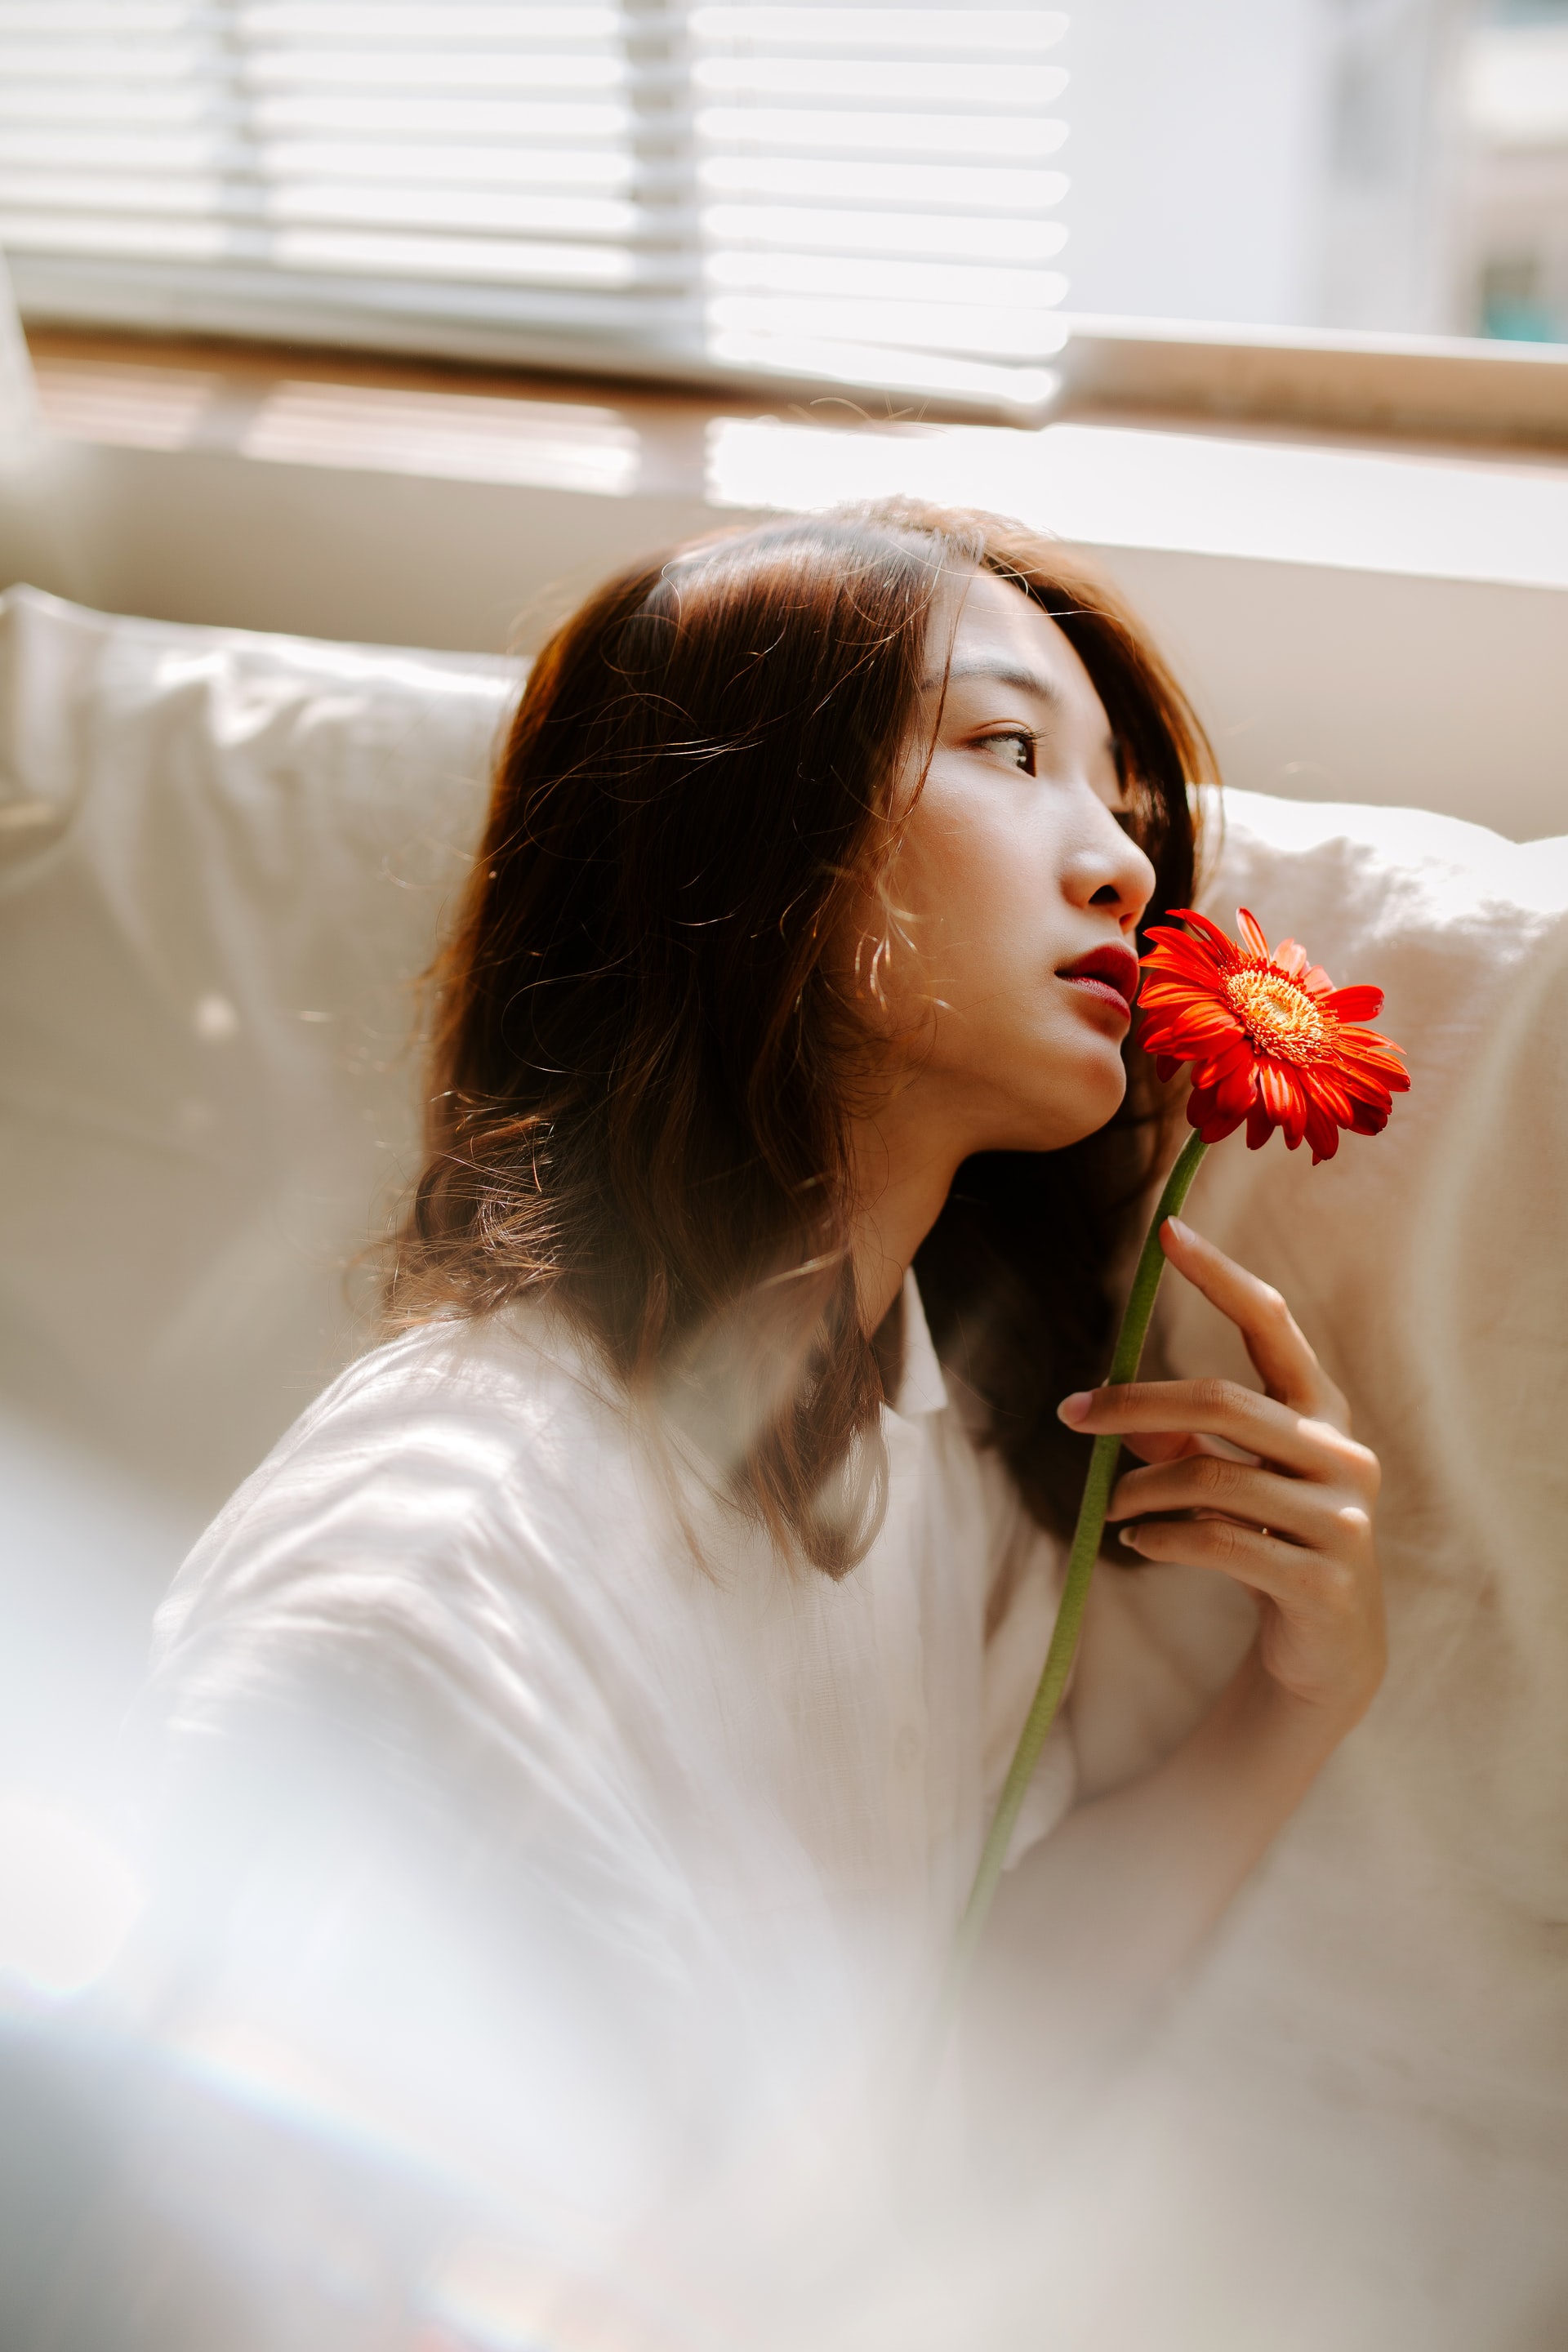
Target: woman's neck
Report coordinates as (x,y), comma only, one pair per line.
(903,1168)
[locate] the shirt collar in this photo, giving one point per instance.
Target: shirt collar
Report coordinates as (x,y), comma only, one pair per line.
(921,1388)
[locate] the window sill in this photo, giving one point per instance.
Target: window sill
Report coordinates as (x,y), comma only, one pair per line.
(1378,387)
(1360,616)
(1143,455)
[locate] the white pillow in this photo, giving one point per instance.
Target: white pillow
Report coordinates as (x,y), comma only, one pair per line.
(223,859)
(1373,2058)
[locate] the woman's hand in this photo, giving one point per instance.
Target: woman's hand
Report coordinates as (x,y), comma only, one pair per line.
(1273,1491)
(1283,1502)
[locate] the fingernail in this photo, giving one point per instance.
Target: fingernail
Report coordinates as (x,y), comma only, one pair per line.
(1075,1408)
(1183,1233)
(1127,1536)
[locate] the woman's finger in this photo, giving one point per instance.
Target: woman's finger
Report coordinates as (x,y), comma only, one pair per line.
(1296,1508)
(1275,1433)
(1168,1444)
(1301,1581)
(1288,1370)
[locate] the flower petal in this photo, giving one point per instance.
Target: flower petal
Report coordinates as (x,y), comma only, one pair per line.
(1251,931)
(1212,1125)
(1194,1028)
(1363,1047)
(1226,953)
(1354,1003)
(1287,1105)
(1196,966)
(1235,1088)
(1322,1134)
(1324,1088)
(1173,988)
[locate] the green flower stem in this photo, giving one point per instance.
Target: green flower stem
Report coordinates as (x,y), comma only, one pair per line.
(1090,1527)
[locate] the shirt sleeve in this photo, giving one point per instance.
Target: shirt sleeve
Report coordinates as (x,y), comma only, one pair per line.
(406,1835)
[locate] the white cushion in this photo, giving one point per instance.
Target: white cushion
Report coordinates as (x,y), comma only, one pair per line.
(1372,2056)
(223,859)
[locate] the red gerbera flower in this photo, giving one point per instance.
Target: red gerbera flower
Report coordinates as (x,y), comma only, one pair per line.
(1272,1040)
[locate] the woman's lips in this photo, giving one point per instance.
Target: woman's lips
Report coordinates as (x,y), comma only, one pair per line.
(1110,973)
(1106,992)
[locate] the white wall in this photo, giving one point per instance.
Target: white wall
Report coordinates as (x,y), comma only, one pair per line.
(1266,161)
(1370,678)
(1192,153)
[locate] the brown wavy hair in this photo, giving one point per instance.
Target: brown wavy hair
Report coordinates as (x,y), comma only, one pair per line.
(641,1064)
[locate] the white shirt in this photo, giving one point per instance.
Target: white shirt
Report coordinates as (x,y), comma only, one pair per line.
(726,1803)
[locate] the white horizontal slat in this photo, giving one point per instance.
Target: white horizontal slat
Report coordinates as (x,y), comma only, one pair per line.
(440,116)
(478,71)
(864,190)
(113,235)
(23,24)
(572,21)
(366,203)
(93,169)
(937,187)
(191,102)
(20,20)
(891,87)
(431,166)
(804,228)
(109,65)
(854,131)
(1007,32)
(972,329)
(945,374)
(945,287)
(470,258)
(480,212)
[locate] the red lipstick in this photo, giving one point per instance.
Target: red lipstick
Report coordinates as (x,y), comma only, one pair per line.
(1109,972)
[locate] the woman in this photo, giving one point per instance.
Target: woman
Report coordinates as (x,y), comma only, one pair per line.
(632,1646)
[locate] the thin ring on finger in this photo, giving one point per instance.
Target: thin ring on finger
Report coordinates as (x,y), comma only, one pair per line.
(1202,1487)
(1133,1527)
(1238,1549)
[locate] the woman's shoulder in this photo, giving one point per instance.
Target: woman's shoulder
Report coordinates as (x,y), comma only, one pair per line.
(457,1456)
(516,1352)
(469,1400)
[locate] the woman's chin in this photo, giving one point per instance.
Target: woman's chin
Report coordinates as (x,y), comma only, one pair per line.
(1089,1093)
(1052,1125)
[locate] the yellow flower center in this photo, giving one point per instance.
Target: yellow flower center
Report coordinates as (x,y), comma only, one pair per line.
(1278,1015)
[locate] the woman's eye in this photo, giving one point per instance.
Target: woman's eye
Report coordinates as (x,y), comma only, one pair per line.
(1017,746)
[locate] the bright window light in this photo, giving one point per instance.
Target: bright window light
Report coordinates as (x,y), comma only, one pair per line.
(862,194)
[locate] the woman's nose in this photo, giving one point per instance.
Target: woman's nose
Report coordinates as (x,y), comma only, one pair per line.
(1111,870)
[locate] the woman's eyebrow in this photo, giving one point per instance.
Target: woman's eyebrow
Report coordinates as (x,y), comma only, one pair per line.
(1023,681)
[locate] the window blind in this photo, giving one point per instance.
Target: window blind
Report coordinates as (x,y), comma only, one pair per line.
(861,194)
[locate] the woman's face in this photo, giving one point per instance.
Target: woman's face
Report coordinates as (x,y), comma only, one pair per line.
(1015,892)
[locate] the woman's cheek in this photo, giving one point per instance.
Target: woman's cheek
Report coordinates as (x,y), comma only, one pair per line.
(992,883)
(976,885)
